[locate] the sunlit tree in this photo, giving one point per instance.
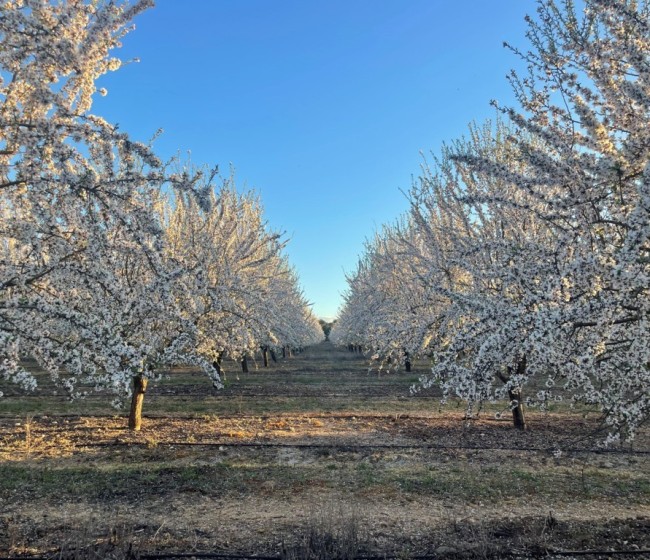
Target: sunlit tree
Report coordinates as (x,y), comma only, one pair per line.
(530,240)
(583,144)
(238,290)
(83,287)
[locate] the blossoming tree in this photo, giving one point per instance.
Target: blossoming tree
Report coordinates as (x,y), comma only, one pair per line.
(536,234)
(100,282)
(238,290)
(584,150)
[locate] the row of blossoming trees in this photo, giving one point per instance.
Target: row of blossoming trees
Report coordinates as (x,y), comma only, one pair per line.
(525,256)
(110,263)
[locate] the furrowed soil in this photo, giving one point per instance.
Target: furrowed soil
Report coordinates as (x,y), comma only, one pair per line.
(317,456)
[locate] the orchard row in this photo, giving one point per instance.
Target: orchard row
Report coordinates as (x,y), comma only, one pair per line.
(112,263)
(524,259)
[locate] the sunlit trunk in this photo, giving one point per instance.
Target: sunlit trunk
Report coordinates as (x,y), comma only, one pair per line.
(139,389)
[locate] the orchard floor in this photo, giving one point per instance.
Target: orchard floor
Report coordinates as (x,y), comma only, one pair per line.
(314,453)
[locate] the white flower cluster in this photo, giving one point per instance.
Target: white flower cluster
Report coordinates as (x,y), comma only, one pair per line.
(526,252)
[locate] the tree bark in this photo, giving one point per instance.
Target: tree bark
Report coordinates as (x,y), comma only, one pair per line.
(518,417)
(265,355)
(407,362)
(515,396)
(244,364)
(217,364)
(135,415)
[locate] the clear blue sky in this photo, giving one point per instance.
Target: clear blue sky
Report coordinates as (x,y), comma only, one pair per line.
(322,106)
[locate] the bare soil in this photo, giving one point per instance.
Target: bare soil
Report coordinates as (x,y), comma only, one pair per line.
(373,472)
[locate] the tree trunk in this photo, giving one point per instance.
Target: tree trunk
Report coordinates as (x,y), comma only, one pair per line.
(139,389)
(515,395)
(518,416)
(407,362)
(217,364)
(265,356)
(244,364)
(273,356)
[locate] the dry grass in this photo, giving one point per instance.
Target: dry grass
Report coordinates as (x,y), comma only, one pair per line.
(361,474)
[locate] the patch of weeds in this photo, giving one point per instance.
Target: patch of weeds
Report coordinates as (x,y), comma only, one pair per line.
(89,540)
(333,533)
(239,434)
(279,424)
(367,474)
(596,483)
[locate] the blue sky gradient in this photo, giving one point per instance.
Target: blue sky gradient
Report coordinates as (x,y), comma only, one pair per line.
(323,107)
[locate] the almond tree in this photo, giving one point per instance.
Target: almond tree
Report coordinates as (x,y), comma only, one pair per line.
(484,257)
(226,251)
(238,289)
(291,323)
(82,282)
(580,149)
(385,305)
(584,149)
(537,236)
